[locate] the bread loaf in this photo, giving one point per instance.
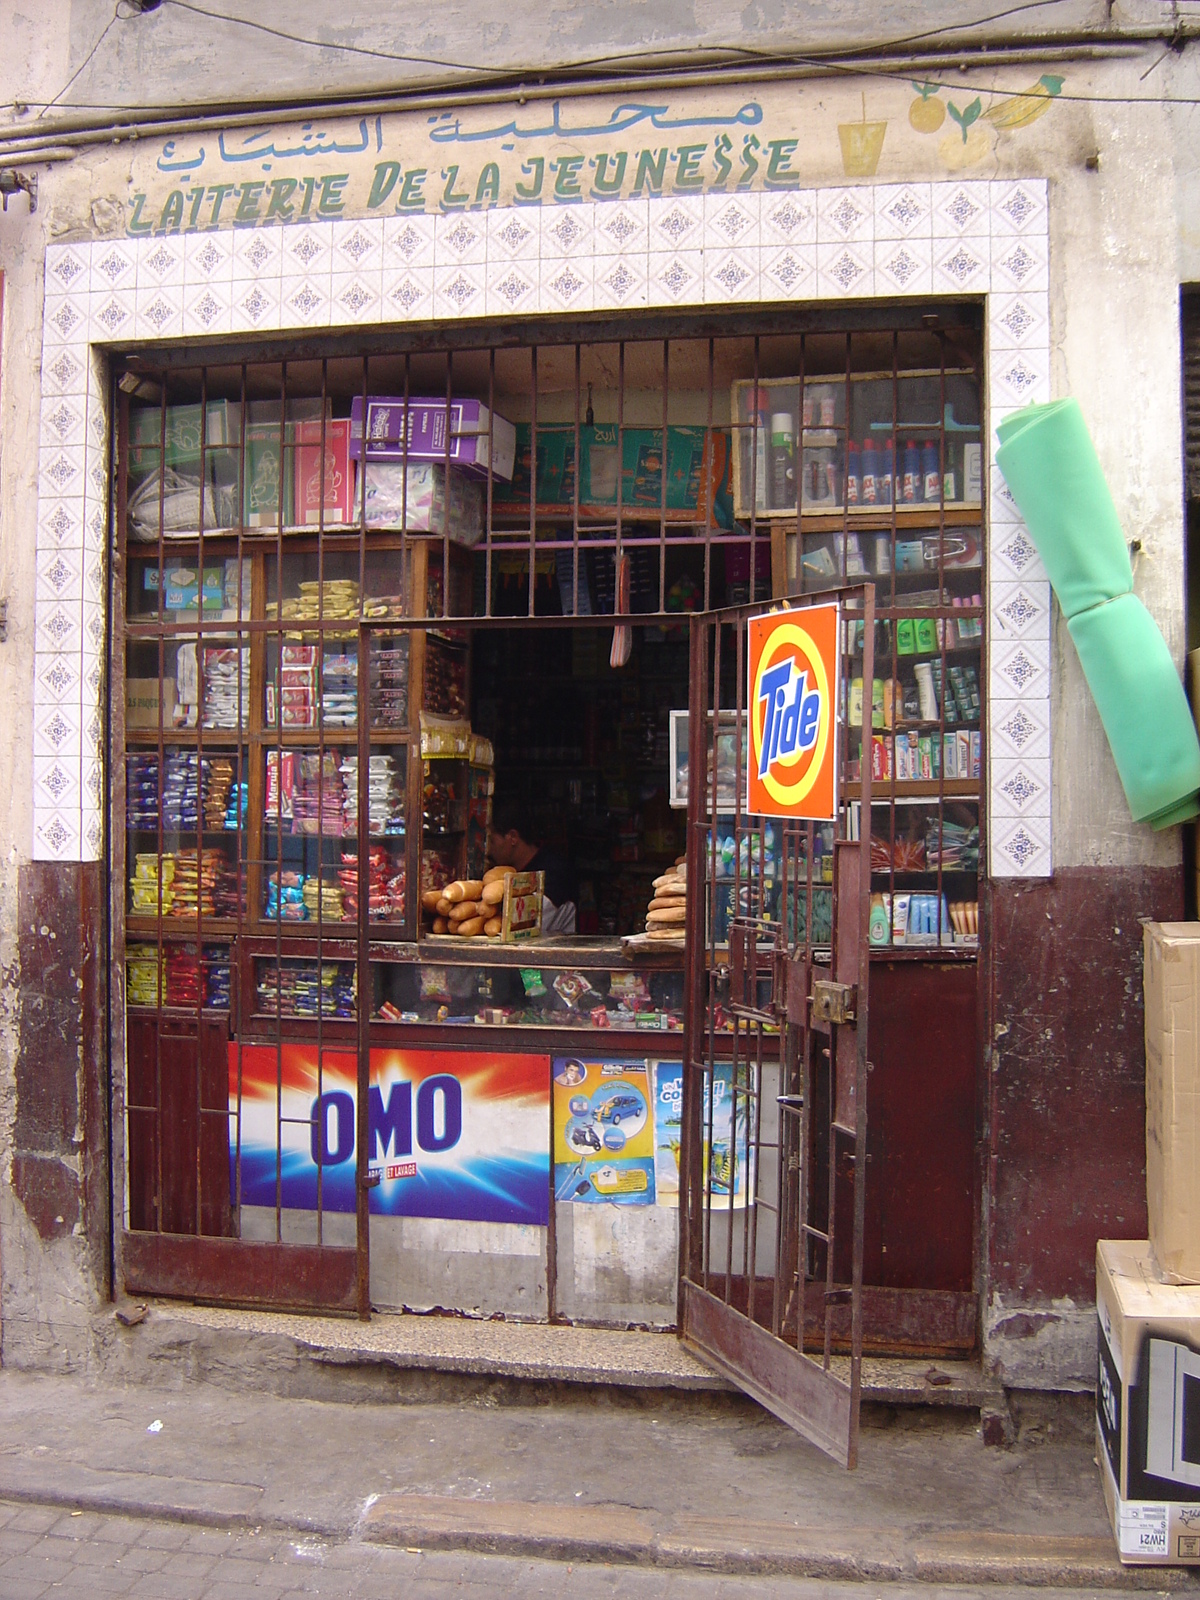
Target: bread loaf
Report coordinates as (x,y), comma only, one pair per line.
(469,926)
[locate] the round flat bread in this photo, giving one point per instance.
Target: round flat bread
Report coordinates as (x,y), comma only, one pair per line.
(665,933)
(667,902)
(670,886)
(676,914)
(673,878)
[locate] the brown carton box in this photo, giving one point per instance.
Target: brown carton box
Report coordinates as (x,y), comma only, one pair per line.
(142,696)
(1171,976)
(1148,1406)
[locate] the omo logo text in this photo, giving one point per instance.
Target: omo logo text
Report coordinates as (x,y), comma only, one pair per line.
(389,1126)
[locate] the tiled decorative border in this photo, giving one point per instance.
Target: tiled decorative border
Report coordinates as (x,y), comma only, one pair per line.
(867,242)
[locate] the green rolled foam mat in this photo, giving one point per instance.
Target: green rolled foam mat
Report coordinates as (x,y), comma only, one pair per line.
(1143,708)
(1050,464)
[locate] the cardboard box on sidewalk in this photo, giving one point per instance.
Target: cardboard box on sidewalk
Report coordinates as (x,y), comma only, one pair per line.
(1171,978)
(1148,1406)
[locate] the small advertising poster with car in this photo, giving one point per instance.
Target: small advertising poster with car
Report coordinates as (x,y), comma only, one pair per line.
(603,1131)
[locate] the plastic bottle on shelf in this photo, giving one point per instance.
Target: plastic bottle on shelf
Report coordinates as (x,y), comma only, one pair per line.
(870,473)
(783,461)
(910,490)
(761,475)
(887,478)
(931,471)
(853,475)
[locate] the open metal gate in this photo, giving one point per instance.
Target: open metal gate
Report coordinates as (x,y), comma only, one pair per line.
(773,1159)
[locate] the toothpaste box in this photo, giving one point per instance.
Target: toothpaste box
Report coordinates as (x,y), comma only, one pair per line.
(472,430)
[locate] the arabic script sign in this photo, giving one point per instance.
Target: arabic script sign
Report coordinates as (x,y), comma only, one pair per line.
(543,153)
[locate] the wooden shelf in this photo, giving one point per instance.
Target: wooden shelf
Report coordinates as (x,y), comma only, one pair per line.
(143,927)
(919,789)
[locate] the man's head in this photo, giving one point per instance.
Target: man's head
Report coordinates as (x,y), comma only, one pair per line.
(507,846)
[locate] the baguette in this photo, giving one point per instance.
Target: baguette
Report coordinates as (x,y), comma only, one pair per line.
(469,927)
(493,892)
(493,927)
(443,907)
(497,874)
(465,910)
(464,889)
(430,898)
(440,925)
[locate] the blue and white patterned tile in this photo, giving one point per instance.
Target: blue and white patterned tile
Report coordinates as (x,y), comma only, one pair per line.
(960,211)
(57,783)
(788,272)
(160,264)
(158,312)
(1018,207)
(623,228)
(407,294)
(92,630)
(1019,670)
(94,584)
(961,266)
(459,291)
(789,219)
(1012,555)
(358,247)
(57,835)
(58,678)
(207,260)
(845,271)
(95,516)
(676,277)
(904,266)
(255,306)
(732,221)
(59,577)
(304,303)
(67,321)
(64,372)
(113,266)
(1020,610)
(111,314)
(458,241)
(1019,729)
(1002,508)
(307,251)
(512,235)
(903,211)
(732,276)
(61,471)
(1020,264)
(68,268)
(258,256)
(1021,848)
(1017,321)
(60,523)
(511,287)
(63,420)
(92,787)
(356,297)
(1020,788)
(207,309)
(568,285)
(92,829)
(408,241)
(1021,377)
(676,225)
(57,731)
(94,680)
(619,282)
(845,216)
(568,233)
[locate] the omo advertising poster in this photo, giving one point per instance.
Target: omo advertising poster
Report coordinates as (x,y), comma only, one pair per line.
(727,1157)
(603,1131)
(455,1134)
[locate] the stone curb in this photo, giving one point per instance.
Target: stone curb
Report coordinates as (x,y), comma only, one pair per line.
(737,1546)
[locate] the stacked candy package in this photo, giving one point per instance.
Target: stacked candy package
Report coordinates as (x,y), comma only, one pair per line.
(385,795)
(149,874)
(385,884)
(389,684)
(141,791)
(143,975)
(318,797)
(339,690)
(226,689)
(304,990)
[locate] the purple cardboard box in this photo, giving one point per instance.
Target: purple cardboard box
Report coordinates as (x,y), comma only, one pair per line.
(469,430)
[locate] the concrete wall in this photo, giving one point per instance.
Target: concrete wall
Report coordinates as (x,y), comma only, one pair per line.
(1122,237)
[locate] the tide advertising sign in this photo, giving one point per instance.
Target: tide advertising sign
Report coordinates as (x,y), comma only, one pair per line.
(463,1135)
(793,669)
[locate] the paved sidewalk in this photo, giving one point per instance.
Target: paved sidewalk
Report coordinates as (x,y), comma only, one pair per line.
(663,1481)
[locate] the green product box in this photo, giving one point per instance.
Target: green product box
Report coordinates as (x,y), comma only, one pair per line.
(265,479)
(182,433)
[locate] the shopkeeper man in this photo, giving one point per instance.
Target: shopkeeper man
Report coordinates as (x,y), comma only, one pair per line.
(508,847)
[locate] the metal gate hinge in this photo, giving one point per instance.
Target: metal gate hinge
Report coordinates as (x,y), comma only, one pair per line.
(372,1180)
(834,1002)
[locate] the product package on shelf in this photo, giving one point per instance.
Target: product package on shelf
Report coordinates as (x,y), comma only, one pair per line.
(336,500)
(389,683)
(144,982)
(335,600)
(385,795)
(226,686)
(304,989)
(224,591)
(385,884)
(141,791)
(417,432)
(318,794)
(414,499)
(152,876)
(339,689)
(445,680)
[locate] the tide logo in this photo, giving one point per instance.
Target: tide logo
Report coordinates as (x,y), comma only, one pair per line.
(793,671)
